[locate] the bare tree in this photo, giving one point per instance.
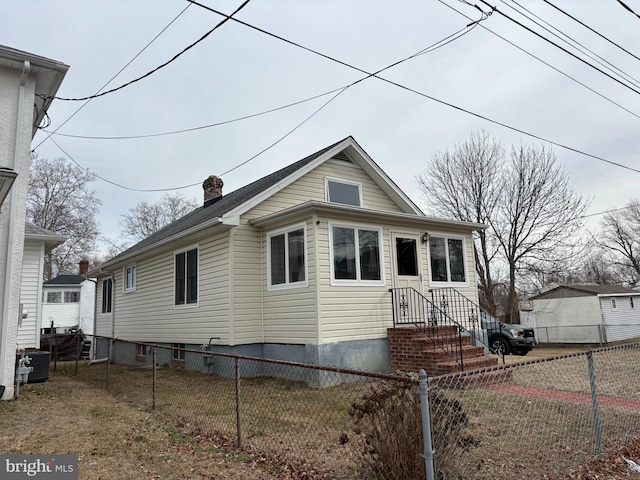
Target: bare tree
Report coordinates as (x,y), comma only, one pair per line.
(621,236)
(146,218)
(539,216)
(59,199)
(464,184)
(534,215)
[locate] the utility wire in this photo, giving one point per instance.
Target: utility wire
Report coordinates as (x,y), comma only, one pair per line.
(591,29)
(477,115)
(113,77)
(198,183)
(228,17)
(626,7)
(495,9)
(583,49)
(438,44)
(545,63)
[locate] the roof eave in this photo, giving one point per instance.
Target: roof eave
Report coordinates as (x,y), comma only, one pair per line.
(229,222)
(330,208)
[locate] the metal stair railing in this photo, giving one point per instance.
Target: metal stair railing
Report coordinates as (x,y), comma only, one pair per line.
(410,307)
(468,314)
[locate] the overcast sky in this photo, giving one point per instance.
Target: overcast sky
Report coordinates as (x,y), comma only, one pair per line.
(238,71)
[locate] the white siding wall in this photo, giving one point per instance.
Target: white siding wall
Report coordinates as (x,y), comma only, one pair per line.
(567,320)
(87,299)
(62,314)
(149,314)
(623,322)
(103,321)
(31,286)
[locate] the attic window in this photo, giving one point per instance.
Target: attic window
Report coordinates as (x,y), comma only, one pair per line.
(345,193)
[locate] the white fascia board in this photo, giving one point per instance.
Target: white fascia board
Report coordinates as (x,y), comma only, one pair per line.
(333,208)
(627,294)
(258,199)
(388,185)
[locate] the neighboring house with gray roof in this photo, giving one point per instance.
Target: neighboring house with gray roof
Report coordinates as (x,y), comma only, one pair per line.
(37,242)
(295,266)
(68,302)
(583,314)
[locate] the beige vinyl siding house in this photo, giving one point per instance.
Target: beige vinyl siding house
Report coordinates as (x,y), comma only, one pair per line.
(296,266)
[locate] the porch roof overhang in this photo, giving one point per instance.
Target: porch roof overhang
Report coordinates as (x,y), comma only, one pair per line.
(327,208)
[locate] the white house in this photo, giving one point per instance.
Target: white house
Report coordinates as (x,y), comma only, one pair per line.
(27,84)
(37,242)
(298,265)
(69,301)
(583,314)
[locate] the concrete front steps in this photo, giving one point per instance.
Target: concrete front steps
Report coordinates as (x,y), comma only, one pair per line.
(410,349)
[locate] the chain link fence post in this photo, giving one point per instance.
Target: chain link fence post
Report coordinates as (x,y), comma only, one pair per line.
(426,424)
(238,404)
(594,403)
(155,373)
(75,374)
(109,346)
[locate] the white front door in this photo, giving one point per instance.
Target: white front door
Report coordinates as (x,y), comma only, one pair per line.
(407,278)
(406,261)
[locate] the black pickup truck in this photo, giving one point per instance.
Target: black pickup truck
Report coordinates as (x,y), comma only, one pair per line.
(505,338)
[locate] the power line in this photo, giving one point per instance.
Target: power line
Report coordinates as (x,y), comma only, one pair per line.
(626,7)
(477,115)
(113,77)
(495,9)
(583,48)
(228,17)
(591,29)
(436,45)
(545,63)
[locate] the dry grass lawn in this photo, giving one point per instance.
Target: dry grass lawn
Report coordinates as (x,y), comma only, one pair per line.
(115,440)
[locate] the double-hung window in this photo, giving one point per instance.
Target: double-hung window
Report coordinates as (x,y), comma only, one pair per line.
(129,274)
(356,255)
(346,193)
(107,295)
(186,277)
(446,257)
(287,257)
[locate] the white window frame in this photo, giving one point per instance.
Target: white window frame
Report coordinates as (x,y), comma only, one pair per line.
(141,350)
(185,251)
(287,284)
(67,292)
(614,304)
(110,306)
(327,180)
(447,237)
(357,282)
(178,353)
(59,293)
(126,288)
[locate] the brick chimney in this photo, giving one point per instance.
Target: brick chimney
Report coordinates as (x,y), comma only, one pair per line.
(83,267)
(212,187)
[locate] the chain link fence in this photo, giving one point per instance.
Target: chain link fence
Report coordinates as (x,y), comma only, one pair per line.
(535,419)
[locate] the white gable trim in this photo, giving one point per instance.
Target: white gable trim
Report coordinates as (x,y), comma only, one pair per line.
(361,159)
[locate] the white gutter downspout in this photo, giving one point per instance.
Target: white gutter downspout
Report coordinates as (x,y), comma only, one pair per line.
(26,68)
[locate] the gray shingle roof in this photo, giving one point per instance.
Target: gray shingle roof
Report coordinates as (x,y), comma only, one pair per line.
(66,280)
(588,289)
(222,205)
